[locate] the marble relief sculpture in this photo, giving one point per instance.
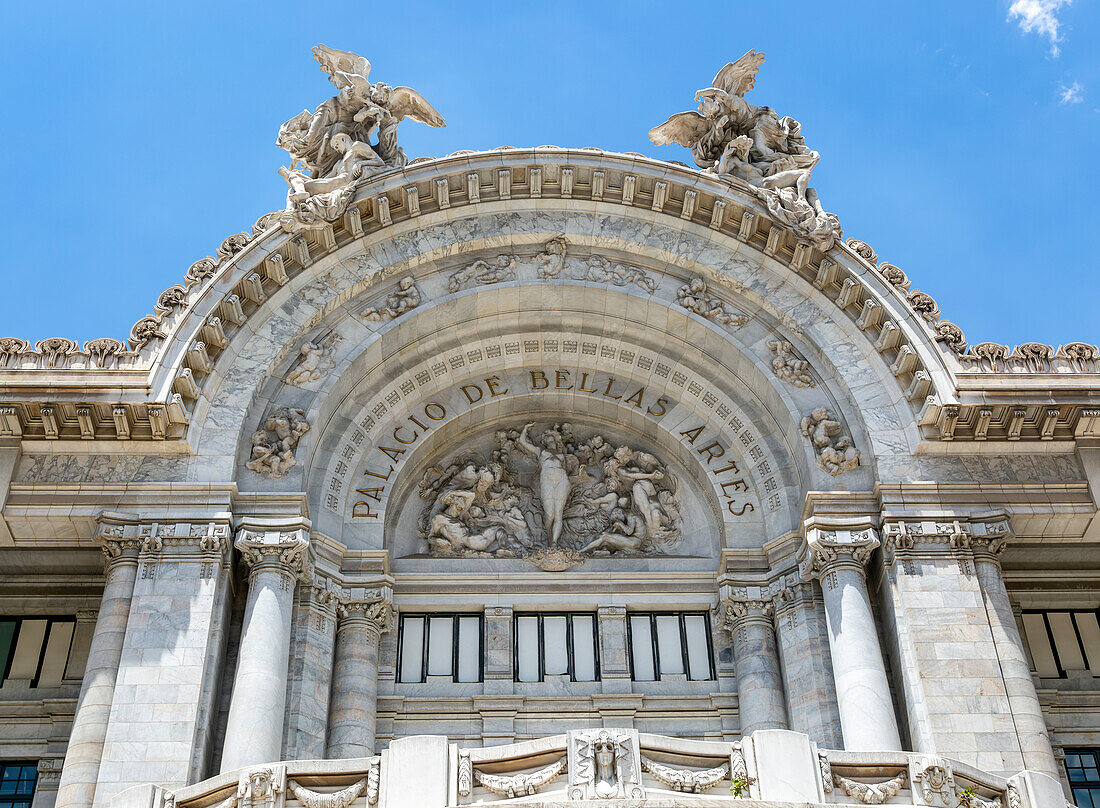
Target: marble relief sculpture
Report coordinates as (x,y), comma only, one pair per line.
(273,445)
(693,297)
(346,140)
(834,450)
(788,367)
(314,361)
(602,766)
(404,298)
(551,494)
(737,140)
(482,272)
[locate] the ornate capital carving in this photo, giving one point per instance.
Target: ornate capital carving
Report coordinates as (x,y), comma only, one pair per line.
(377,614)
(284,548)
(790,594)
(744,605)
(126,536)
(830,547)
(907,539)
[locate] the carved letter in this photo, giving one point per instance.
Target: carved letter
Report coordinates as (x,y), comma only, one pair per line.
(440,407)
(607,392)
(470,398)
(636,398)
(746,507)
(491,382)
(379,476)
(662,402)
(355,510)
(397,438)
(710,452)
(394,454)
(373,493)
(559,377)
(584,381)
(738,485)
(536,377)
(731,467)
(692,434)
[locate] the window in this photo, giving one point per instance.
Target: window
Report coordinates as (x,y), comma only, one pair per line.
(440,645)
(1082,766)
(1062,642)
(670,644)
(36,650)
(17,784)
(556,645)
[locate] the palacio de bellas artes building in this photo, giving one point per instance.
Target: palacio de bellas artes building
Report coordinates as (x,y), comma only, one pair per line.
(548,476)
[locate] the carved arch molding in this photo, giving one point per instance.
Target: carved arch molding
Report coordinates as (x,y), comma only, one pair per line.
(401,378)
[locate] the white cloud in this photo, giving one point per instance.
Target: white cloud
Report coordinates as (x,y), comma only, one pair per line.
(1039,16)
(1071,94)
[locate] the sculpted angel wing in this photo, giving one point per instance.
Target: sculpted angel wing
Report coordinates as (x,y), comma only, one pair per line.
(334,61)
(737,78)
(408,103)
(683,128)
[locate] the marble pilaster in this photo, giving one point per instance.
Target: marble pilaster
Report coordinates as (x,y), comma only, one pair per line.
(614,651)
(987,542)
(278,555)
(80,772)
(837,555)
(363,616)
(313,638)
(162,715)
(803,640)
(746,613)
(499,677)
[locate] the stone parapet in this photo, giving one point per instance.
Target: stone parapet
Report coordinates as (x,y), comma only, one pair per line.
(607,767)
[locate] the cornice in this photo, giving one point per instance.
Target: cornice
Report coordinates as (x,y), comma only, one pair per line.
(146,388)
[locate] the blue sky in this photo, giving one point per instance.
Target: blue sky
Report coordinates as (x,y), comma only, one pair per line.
(961,146)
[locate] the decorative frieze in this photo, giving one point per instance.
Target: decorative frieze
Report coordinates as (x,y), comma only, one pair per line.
(405,297)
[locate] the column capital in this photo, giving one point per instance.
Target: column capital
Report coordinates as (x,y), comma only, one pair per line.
(832,545)
(116,535)
(279,545)
(200,538)
(742,605)
(376,614)
(985,536)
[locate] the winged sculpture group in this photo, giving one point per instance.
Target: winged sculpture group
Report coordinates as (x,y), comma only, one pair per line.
(353,136)
(331,148)
(737,140)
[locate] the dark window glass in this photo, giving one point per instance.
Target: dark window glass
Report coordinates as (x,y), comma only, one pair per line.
(17,784)
(1083,768)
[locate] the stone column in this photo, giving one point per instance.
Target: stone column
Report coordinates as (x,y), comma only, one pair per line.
(363,617)
(837,557)
(988,541)
(803,640)
(746,613)
(278,556)
(85,751)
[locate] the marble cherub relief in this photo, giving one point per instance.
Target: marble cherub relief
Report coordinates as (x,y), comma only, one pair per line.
(551,497)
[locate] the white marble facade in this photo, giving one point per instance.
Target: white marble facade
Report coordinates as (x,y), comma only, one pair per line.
(540,382)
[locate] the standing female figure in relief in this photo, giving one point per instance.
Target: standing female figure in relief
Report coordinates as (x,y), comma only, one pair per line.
(553,479)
